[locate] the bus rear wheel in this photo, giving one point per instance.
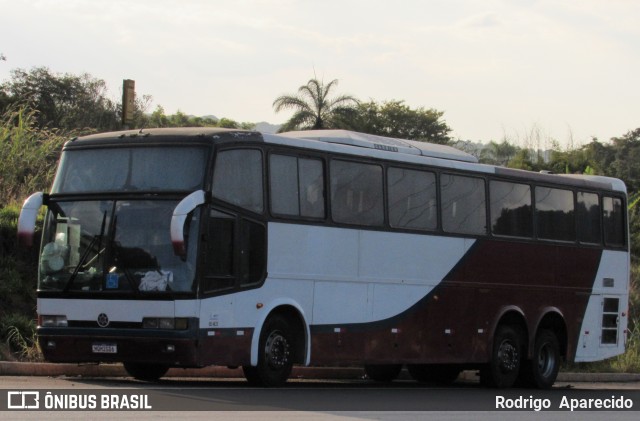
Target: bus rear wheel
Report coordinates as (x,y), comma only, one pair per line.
(503,369)
(275,354)
(146,372)
(383,372)
(434,373)
(542,370)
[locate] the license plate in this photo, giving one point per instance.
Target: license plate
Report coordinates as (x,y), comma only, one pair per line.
(104,348)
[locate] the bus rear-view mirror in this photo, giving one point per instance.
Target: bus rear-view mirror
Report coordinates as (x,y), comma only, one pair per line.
(179,218)
(28,217)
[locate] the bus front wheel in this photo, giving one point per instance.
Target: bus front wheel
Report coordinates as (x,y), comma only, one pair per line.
(503,369)
(275,354)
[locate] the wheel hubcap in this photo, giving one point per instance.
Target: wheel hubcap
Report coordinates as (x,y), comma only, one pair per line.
(508,356)
(277,350)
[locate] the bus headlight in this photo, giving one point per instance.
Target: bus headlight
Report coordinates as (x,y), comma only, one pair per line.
(178,323)
(52,321)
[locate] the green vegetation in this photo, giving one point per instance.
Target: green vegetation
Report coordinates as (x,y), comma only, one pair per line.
(313,108)
(40,110)
(17,292)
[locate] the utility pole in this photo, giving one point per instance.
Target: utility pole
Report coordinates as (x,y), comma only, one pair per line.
(128,102)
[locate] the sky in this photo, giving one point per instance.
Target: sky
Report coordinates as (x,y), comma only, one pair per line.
(564,70)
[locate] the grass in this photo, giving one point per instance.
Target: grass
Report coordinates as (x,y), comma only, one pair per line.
(19,333)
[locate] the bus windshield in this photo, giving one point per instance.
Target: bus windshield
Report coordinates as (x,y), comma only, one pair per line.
(115,246)
(166,168)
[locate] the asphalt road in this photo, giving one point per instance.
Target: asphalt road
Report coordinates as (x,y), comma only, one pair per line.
(197,398)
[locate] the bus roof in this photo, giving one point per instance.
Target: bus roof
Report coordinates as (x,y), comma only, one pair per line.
(363,140)
(199,134)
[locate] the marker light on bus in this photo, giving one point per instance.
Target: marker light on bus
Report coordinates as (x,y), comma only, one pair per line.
(178,323)
(52,321)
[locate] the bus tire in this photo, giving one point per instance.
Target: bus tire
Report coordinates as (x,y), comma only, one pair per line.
(542,370)
(443,374)
(275,354)
(383,372)
(146,372)
(506,356)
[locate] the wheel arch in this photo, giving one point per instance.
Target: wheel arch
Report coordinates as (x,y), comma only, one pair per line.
(512,316)
(294,314)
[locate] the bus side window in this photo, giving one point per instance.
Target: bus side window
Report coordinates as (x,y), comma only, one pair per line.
(614,228)
(357,193)
(555,216)
(237,178)
(412,199)
(588,214)
(463,204)
(511,210)
(297,186)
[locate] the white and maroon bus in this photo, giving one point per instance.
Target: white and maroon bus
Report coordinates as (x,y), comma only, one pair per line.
(194,247)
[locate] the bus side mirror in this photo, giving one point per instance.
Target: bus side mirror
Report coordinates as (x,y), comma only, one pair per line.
(180,213)
(27,219)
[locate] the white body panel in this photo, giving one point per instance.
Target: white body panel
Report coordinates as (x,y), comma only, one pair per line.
(614,268)
(116,310)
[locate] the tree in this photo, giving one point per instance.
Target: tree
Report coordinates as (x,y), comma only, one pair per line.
(396,119)
(626,162)
(63,101)
(227,123)
(498,153)
(158,118)
(313,109)
(179,119)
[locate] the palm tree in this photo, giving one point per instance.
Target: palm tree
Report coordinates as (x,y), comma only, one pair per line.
(313,109)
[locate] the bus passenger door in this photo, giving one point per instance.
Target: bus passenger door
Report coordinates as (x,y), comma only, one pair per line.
(233,257)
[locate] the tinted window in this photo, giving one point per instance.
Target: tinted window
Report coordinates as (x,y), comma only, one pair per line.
(128,169)
(356,193)
(554,214)
(218,265)
(588,214)
(463,204)
(412,199)
(237,178)
(297,186)
(511,212)
(253,255)
(613,221)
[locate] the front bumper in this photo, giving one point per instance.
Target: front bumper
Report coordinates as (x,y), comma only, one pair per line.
(152,346)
